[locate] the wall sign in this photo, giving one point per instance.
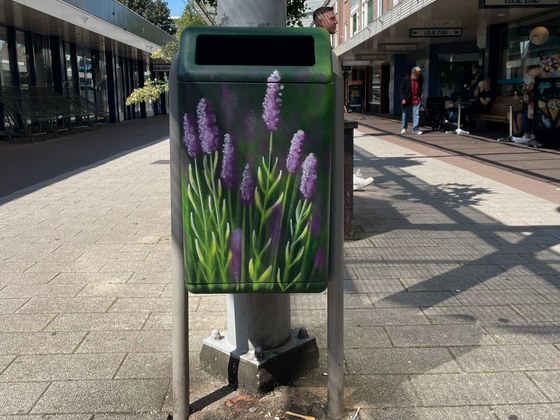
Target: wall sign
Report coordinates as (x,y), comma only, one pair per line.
(518,3)
(435,32)
(396,47)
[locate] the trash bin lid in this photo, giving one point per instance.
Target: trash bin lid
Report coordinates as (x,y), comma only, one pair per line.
(235,54)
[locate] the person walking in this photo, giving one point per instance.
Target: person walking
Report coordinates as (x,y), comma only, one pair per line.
(411,96)
(324,17)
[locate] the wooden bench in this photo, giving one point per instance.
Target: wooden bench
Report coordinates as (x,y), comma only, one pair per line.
(499,110)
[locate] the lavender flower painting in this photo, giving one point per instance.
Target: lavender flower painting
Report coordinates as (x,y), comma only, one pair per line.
(256,193)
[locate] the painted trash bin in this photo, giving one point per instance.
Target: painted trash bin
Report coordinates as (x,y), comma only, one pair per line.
(256,149)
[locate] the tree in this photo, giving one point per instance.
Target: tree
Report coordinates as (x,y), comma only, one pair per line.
(153,89)
(154,11)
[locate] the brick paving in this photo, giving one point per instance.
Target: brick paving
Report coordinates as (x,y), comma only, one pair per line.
(452,301)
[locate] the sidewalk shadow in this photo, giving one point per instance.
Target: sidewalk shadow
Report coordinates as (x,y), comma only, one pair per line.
(24,164)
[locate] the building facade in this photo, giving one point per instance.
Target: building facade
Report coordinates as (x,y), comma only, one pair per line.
(95,52)
(379,41)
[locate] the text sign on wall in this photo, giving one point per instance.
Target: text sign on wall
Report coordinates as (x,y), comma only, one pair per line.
(434,32)
(518,3)
(396,47)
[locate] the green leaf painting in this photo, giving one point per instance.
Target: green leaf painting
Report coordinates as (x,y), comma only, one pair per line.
(256,186)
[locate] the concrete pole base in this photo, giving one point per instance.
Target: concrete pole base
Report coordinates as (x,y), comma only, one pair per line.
(260,371)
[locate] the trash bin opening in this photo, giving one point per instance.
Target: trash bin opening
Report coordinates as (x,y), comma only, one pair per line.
(243,50)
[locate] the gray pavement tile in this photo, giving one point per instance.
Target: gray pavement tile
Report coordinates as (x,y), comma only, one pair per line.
(67,267)
(387,317)
(304,301)
(157,277)
(107,255)
(477,389)
(438,335)
(367,286)
(428,413)
(126,342)
(365,338)
(138,416)
(510,358)
(5,361)
(82,278)
(48,417)
(473,314)
(24,322)
(547,312)
(531,411)
(548,381)
(158,321)
(500,297)
(211,320)
(27,277)
(41,368)
(527,333)
(528,269)
(9,306)
(113,396)
(452,282)
(369,391)
(53,305)
(142,266)
(504,281)
(39,343)
(42,290)
(113,321)
(123,290)
(400,361)
(142,305)
(146,366)
(19,398)
(413,299)
(9,267)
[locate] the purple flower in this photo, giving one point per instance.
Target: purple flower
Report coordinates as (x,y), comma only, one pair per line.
(294,155)
(247,186)
(309,177)
(207,128)
(235,248)
(228,163)
(190,138)
(272,102)
(320,257)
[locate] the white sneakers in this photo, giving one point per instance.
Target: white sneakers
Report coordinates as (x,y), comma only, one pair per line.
(360,182)
(417,133)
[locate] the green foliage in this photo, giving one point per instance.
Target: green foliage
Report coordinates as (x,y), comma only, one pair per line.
(151,91)
(189,17)
(295,10)
(154,11)
(166,52)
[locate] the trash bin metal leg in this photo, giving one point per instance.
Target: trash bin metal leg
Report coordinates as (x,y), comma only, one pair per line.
(335,291)
(179,311)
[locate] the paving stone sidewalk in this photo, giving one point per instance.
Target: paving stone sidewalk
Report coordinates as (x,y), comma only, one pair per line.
(452,301)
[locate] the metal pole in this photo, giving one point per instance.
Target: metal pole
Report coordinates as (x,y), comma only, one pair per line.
(261,320)
(335,291)
(180,308)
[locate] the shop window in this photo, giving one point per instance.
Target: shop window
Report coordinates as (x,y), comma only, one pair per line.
(42,61)
(22,59)
(5,75)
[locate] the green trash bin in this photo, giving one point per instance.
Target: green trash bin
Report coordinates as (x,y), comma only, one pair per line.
(256,106)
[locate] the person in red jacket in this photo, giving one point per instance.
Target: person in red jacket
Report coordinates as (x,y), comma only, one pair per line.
(411,96)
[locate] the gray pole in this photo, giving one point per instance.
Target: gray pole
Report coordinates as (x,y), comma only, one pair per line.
(335,291)
(256,321)
(180,307)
